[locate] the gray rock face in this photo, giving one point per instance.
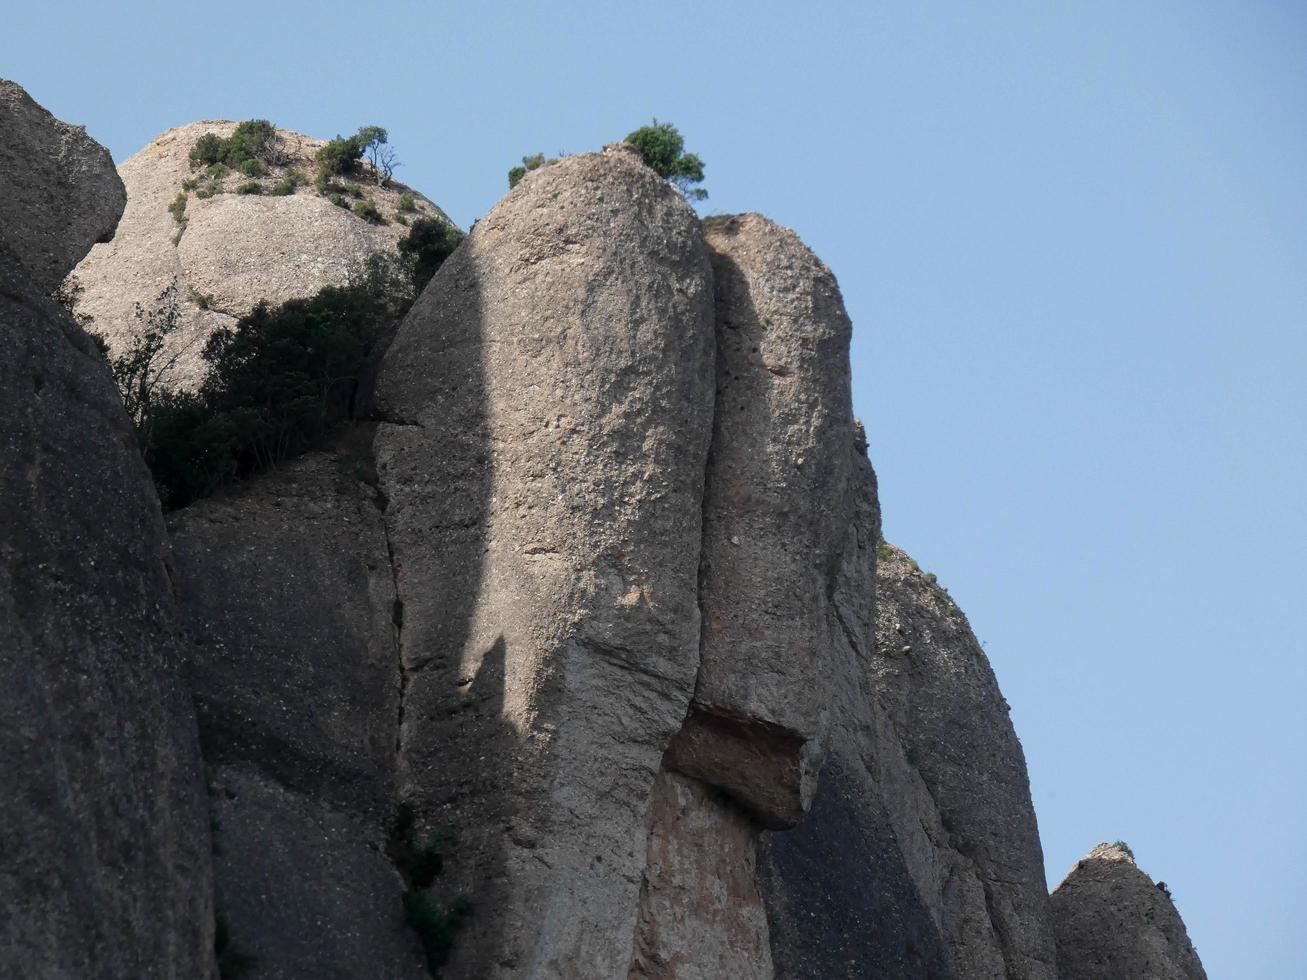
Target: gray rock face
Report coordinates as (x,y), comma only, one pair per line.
(234,250)
(775,510)
(939,693)
(104,842)
(549,402)
(61,192)
(701,915)
(286,587)
(1112,921)
(844,889)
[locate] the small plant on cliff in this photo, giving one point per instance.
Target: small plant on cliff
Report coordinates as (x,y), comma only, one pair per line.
(420,860)
(289,181)
(533,162)
(369,212)
(178,211)
(253,144)
(1121,845)
(426,246)
(342,156)
(1161,887)
(663,148)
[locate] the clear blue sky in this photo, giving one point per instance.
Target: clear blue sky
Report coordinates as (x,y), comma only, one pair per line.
(1073,240)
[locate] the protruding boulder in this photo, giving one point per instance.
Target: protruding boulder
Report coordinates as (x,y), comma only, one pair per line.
(61,193)
(104,841)
(286,589)
(775,512)
(549,406)
(1111,920)
(937,689)
(226,251)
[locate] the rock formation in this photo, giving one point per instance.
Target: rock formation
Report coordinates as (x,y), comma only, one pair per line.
(548,404)
(775,509)
(1112,921)
(104,845)
(600,589)
(288,596)
(61,193)
(936,687)
(233,250)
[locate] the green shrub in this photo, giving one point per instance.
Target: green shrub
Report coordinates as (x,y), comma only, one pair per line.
(253,140)
(436,927)
(401,218)
(407,202)
(368,211)
(340,156)
(290,180)
(209,148)
(190,183)
(249,187)
(663,148)
(426,246)
(883,551)
(1123,846)
(252,168)
(533,162)
(279,382)
(339,200)
(178,211)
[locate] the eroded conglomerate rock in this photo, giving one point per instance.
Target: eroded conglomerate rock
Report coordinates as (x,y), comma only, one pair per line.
(775,510)
(937,689)
(234,249)
(61,194)
(286,589)
(104,841)
(549,403)
(1112,921)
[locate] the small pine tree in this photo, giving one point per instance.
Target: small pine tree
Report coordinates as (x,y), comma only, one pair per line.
(663,148)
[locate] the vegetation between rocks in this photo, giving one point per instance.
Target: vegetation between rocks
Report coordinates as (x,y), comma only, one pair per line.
(420,859)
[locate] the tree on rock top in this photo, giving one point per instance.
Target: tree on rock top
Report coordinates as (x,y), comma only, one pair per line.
(663,148)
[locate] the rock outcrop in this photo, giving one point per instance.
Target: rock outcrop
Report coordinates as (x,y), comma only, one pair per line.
(104,844)
(1111,920)
(600,589)
(937,689)
(286,589)
(775,508)
(233,250)
(548,406)
(61,194)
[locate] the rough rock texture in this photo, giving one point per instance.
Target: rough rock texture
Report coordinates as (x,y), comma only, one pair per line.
(286,587)
(235,249)
(937,688)
(104,843)
(1112,921)
(701,915)
(775,512)
(61,194)
(549,400)
(844,889)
